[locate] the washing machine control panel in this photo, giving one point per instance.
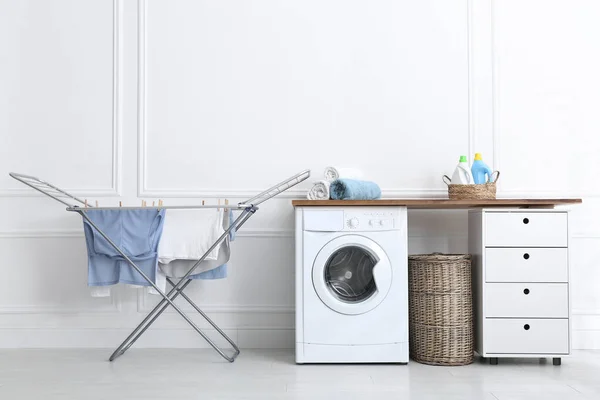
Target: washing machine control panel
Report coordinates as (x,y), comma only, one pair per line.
(372,220)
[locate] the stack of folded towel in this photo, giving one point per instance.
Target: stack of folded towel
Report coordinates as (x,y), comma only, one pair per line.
(343,184)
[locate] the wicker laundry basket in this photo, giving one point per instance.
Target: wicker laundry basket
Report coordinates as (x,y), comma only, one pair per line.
(440,309)
(483,191)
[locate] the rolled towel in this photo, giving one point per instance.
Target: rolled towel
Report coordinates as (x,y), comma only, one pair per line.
(319,191)
(350,189)
(333,173)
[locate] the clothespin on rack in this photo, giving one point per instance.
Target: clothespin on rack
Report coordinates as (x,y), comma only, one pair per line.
(202,202)
(120,204)
(96,203)
(85,203)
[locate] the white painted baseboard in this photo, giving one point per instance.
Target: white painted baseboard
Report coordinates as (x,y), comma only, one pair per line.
(251,338)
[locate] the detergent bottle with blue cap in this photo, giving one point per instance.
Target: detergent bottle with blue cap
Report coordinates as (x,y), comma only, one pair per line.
(462,174)
(479,170)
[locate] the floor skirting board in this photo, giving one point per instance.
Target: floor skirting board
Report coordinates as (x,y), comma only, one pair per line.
(251,338)
(268,338)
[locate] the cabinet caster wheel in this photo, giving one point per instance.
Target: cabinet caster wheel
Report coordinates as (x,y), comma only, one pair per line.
(494,361)
(556,361)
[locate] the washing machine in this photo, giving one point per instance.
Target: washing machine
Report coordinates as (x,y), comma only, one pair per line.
(351,285)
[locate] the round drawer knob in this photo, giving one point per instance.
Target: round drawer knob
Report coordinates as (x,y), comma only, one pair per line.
(526,291)
(526,256)
(525,221)
(526,327)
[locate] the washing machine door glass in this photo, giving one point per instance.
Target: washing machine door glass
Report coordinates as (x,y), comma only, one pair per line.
(349,274)
(352,274)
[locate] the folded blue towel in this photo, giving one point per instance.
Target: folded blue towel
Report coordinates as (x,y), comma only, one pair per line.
(350,189)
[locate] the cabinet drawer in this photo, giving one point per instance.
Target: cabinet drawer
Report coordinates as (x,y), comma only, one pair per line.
(526,336)
(530,300)
(523,229)
(526,265)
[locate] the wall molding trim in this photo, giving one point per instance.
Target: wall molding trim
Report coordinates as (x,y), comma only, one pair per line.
(142,103)
(585,235)
(299,194)
(142,177)
(144,306)
(106,339)
(113,307)
(41,233)
(244,233)
(78,233)
(117,115)
(546,193)
(585,311)
(496,136)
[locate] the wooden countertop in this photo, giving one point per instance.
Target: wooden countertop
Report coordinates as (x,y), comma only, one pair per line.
(441,203)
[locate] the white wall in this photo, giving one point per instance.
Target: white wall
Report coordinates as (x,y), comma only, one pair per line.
(189,100)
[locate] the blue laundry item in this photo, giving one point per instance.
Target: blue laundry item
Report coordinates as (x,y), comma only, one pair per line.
(350,189)
(219,272)
(136,232)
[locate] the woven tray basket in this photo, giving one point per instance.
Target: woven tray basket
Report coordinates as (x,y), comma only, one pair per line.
(484,191)
(440,309)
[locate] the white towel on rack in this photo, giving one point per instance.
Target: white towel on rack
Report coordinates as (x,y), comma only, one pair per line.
(333,173)
(319,191)
(188,234)
(179,267)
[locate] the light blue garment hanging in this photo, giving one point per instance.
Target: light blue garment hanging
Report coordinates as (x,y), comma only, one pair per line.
(136,232)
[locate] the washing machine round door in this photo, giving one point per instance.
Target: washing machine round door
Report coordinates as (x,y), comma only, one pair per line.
(352,274)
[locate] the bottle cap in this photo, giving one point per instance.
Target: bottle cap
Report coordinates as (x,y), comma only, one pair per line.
(463,159)
(477,156)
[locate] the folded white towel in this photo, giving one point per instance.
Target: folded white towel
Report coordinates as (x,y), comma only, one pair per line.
(319,191)
(188,234)
(333,173)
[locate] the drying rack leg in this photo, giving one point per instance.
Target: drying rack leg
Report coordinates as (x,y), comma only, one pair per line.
(170,297)
(146,322)
(158,310)
(210,321)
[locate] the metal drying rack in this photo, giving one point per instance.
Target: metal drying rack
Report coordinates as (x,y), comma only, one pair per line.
(248,208)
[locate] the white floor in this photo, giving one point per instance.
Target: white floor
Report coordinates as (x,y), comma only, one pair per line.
(271,374)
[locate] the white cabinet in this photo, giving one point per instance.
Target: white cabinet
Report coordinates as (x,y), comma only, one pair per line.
(520,278)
